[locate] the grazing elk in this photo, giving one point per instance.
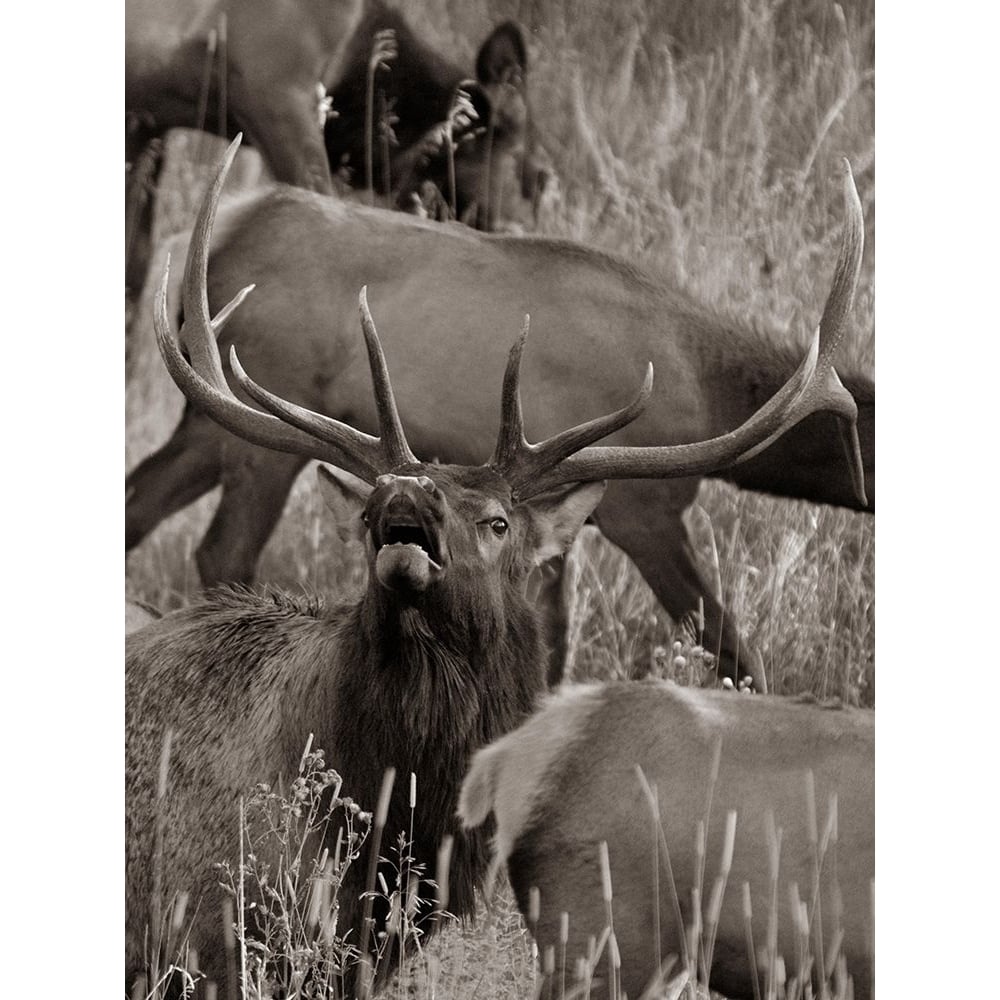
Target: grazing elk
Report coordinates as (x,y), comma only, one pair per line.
(567,780)
(440,655)
(277,53)
(445,292)
(418,88)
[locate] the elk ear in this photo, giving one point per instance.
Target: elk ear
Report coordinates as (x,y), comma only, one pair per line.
(346,496)
(502,56)
(557,517)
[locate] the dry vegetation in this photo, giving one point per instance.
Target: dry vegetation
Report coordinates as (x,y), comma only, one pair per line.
(699,140)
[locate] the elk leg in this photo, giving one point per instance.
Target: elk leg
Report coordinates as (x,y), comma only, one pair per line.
(185,468)
(140,188)
(658,543)
(290,139)
(255,485)
(546,592)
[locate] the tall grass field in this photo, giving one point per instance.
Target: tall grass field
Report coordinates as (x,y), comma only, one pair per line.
(700,141)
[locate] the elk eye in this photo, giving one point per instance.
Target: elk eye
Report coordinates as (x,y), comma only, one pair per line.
(498,526)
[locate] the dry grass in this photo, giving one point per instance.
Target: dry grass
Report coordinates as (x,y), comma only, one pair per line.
(699,139)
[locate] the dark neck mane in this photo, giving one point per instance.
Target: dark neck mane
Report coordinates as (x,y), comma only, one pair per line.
(421,692)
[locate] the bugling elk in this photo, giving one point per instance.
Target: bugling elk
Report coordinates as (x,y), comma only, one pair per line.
(442,652)
(579,774)
(444,293)
(277,55)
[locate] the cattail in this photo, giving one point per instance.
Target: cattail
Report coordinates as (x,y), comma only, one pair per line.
(549,960)
(460,115)
(305,753)
(384,51)
(748,938)
(602,850)
(810,781)
(443,872)
(229,943)
(563,942)
(534,904)
(385,794)
(177,917)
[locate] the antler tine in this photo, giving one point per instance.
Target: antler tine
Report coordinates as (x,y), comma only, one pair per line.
(319,427)
(520,462)
(825,391)
(510,439)
(814,386)
(202,380)
(199,332)
(394,446)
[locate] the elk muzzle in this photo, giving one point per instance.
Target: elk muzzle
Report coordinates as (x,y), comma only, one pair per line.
(405,516)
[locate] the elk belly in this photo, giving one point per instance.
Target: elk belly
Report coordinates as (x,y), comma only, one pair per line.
(405,567)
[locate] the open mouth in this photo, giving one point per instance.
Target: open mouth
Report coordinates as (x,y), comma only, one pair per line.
(409,551)
(407,532)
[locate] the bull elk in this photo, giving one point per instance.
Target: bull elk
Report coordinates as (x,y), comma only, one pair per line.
(440,655)
(629,766)
(444,293)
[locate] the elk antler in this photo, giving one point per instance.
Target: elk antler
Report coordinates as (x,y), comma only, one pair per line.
(516,459)
(291,428)
(531,469)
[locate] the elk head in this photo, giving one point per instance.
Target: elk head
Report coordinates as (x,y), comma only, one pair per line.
(418,518)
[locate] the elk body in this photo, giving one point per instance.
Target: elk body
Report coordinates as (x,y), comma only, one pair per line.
(439,656)
(445,293)
(567,780)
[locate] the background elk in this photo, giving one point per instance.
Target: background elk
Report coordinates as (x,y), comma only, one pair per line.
(417,89)
(445,293)
(275,57)
(275,54)
(440,654)
(566,781)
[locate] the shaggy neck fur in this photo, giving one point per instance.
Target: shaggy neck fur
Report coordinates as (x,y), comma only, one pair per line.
(427,683)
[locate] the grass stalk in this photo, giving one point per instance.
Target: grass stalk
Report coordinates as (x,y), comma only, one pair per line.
(381,813)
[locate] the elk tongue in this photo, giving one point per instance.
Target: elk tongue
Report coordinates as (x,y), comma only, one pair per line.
(404,567)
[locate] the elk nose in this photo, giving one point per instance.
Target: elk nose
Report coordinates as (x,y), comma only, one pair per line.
(424,482)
